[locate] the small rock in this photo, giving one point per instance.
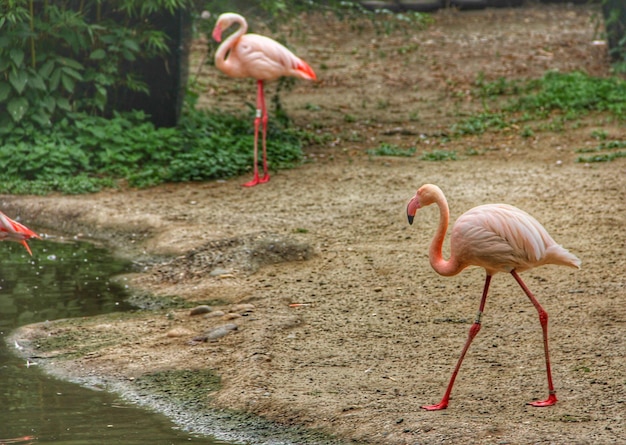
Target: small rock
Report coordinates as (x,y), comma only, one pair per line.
(214,314)
(243,308)
(221,331)
(231,316)
(178,332)
(215,334)
(219,272)
(200,310)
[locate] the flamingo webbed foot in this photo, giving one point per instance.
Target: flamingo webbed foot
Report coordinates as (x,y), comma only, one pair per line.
(257,180)
(551,400)
(252,183)
(439,406)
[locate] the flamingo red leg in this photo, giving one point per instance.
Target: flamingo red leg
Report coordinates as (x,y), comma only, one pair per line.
(264,119)
(260,107)
(543,319)
(472,333)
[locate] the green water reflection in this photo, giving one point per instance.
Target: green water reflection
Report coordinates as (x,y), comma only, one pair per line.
(64,280)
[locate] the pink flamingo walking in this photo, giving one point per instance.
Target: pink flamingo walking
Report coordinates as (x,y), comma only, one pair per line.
(259,57)
(13,231)
(499,238)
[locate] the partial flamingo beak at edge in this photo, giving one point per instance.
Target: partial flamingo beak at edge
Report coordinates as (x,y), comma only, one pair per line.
(217,33)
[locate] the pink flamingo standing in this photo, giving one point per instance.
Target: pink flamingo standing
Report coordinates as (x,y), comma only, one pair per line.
(13,231)
(259,57)
(499,238)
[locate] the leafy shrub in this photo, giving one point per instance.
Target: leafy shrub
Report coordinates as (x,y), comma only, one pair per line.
(84,153)
(74,56)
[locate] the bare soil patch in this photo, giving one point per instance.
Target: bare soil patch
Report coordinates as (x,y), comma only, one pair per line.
(351,330)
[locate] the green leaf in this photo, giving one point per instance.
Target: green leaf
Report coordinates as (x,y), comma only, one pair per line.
(5,89)
(18,79)
(73,73)
(70,63)
(55,79)
(63,104)
(42,118)
(17,108)
(4,63)
(49,103)
(17,56)
(68,82)
(35,81)
(46,69)
(128,55)
(98,54)
(131,44)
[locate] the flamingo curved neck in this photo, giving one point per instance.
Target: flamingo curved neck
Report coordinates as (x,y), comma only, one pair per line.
(442,266)
(223,50)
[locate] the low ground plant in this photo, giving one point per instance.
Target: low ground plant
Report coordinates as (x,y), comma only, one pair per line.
(83,153)
(547,103)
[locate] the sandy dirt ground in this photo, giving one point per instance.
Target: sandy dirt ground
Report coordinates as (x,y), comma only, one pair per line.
(342,327)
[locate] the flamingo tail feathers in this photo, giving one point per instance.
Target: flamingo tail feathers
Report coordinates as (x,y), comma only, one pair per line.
(561,256)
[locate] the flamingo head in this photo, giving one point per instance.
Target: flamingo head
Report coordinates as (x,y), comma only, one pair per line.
(425,195)
(225,21)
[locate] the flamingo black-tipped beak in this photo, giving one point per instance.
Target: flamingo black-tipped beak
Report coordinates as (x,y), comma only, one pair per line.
(411,208)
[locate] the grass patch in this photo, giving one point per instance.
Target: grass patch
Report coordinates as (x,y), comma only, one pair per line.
(574,94)
(603,152)
(439,155)
(480,123)
(391,150)
(556,97)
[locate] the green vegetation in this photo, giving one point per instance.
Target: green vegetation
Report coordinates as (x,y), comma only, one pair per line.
(603,152)
(439,155)
(386,149)
(75,56)
(83,153)
(479,123)
(574,94)
(554,100)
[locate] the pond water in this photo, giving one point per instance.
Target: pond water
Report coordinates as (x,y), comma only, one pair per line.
(64,280)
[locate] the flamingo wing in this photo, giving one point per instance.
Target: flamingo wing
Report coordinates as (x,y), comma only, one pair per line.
(500,238)
(262,58)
